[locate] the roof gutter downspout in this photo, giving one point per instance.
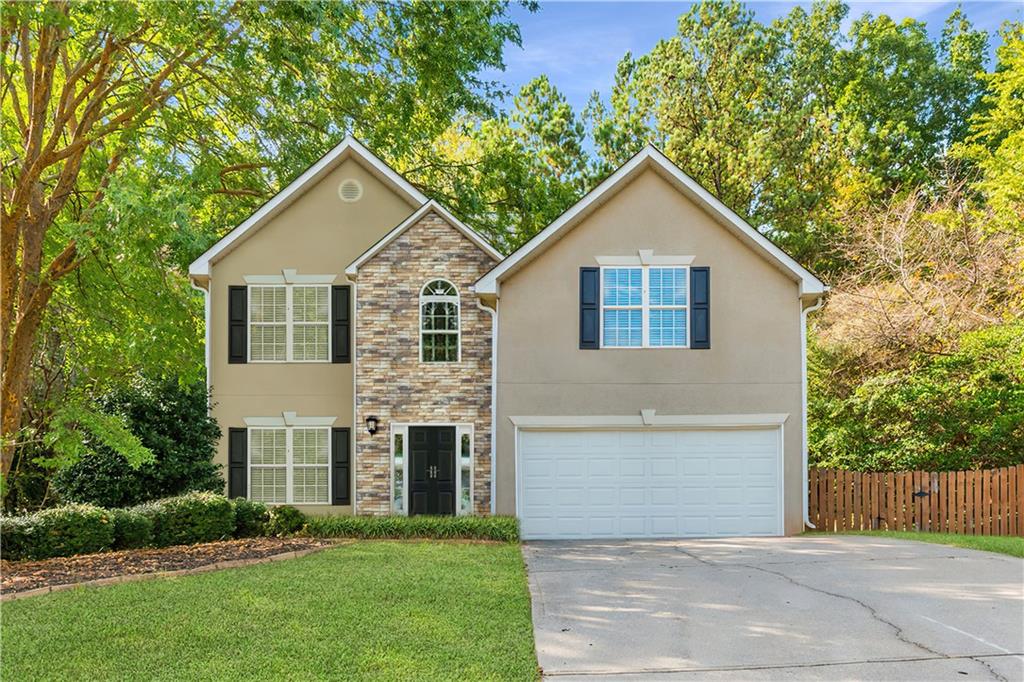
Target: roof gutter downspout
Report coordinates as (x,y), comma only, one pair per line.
(206,350)
(804,312)
(494,386)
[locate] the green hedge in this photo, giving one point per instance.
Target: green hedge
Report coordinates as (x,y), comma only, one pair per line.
(500,528)
(60,531)
(205,517)
(132,529)
(84,529)
(251,518)
(190,518)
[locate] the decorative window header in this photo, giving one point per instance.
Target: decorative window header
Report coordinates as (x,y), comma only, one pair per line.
(290,276)
(289,419)
(644,257)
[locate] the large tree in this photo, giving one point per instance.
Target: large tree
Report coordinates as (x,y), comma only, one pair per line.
(791,122)
(510,174)
(135,131)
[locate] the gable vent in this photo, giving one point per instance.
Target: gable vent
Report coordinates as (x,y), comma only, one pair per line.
(350,190)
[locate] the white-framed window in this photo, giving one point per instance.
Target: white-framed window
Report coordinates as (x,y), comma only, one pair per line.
(645,306)
(439,322)
(290,464)
(289,323)
(464,436)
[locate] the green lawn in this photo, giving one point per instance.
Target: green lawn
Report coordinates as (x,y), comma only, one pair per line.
(373,609)
(989,543)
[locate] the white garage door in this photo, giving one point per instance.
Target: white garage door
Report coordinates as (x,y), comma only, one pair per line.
(643,483)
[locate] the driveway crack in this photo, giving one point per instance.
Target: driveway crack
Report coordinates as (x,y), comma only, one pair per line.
(897,630)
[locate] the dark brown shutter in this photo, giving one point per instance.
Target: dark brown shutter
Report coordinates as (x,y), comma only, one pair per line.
(700,307)
(237,332)
(238,455)
(590,312)
(340,438)
(341,324)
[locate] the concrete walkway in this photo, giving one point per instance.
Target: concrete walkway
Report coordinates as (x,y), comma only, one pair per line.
(803,608)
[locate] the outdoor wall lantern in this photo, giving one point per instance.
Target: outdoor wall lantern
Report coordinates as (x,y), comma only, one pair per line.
(371,424)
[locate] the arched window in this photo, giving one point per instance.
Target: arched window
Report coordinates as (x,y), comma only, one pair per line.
(439,322)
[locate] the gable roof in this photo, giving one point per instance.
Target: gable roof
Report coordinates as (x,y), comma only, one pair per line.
(650,157)
(429,207)
(348,148)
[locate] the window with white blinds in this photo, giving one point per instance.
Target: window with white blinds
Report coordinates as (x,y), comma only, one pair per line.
(289,323)
(289,465)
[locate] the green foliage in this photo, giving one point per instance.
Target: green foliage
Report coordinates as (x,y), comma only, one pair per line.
(19,537)
(996,142)
(59,531)
(251,518)
(74,427)
(191,518)
(132,529)
(285,520)
(171,421)
(498,528)
(789,122)
(902,99)
(961,410)
(512,174)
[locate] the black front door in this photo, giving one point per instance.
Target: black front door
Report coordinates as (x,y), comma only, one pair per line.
(432,484)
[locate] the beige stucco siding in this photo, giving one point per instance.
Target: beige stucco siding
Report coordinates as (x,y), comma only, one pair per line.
(317,235)
(753,365)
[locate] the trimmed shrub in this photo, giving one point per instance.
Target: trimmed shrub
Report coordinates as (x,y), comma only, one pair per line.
(69,530)
(285,520)
(251,518)
(132,529)
(188,519)
(498,528)
(18,537)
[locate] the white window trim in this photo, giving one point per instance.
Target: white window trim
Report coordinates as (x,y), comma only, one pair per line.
(289,465)
(460,430)
(645,305)
(289,323)
(457,300)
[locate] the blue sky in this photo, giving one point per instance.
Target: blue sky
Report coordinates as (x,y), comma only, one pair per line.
(578,44)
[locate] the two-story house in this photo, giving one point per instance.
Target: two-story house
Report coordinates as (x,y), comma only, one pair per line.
(368,353)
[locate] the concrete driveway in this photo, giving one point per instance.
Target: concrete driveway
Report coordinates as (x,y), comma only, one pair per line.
(836,608)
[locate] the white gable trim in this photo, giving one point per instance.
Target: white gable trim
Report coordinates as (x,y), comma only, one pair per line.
(809,284)
(350,146)
(417,215)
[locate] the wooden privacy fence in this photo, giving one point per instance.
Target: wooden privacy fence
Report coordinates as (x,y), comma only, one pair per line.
(985,502)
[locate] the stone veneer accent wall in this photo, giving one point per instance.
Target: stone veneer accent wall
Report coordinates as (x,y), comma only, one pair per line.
(392,383)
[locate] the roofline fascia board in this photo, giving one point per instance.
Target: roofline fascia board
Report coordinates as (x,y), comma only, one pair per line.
(353,268)
(809,283)
(281,200)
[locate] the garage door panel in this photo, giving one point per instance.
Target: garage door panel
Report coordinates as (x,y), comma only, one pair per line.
(664,466)
(665,496)
(632,496)
(603,466)
(649,483)
(632,467)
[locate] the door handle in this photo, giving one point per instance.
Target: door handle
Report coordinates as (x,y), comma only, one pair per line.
(432,472)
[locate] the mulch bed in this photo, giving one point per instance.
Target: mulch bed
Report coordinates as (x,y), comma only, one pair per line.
(19,576)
